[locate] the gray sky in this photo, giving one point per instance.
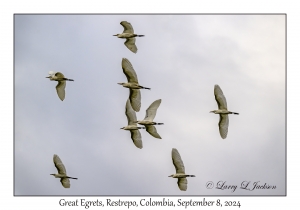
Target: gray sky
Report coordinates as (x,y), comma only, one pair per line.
(180,58)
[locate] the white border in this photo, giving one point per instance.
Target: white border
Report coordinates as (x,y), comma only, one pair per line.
(8,8)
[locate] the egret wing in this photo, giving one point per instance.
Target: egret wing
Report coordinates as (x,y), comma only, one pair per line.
(177,161)
(223,125)
(151,111)
(59,165)
(127,27)
(152,131)
(130,113)
(220,98)
(136,138)
(130,44)
(135,99)
(60,89)
(182,184)
(59,75)
(65,182)
(129,71)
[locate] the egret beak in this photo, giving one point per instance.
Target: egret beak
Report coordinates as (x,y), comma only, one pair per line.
(170,176)
(119,83)
(48,77)
(211,112)
(115,35)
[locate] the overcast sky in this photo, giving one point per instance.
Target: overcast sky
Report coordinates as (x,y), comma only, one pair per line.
(180,58)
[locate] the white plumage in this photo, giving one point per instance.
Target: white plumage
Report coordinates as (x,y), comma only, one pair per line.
(62,173)
(132,126)
(180,170)
(132,84)
(222,111)
(148,120)
(60,87)
(129,35)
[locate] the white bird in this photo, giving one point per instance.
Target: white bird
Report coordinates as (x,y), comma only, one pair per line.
(132,126)
(222,111)
(129,35)
(148,121)
(180,171)
(62,173)
(132,84)
(60,87)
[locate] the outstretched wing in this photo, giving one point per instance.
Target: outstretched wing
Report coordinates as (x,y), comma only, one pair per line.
(59,165)
(60,89)
(135,99)
(223,125)
(136,138)
(220,98)
(152,131)
(129,71)
(130,113)
(65,182)
(182,184)
(151,111)
(127,27)
(177,161)
(130,44)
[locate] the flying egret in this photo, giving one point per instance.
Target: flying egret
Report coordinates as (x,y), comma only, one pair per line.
(148,121)
(132,126)
(60,87)
(129,35)
(132,84)
(222,111)
(62,173)
(180,171)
